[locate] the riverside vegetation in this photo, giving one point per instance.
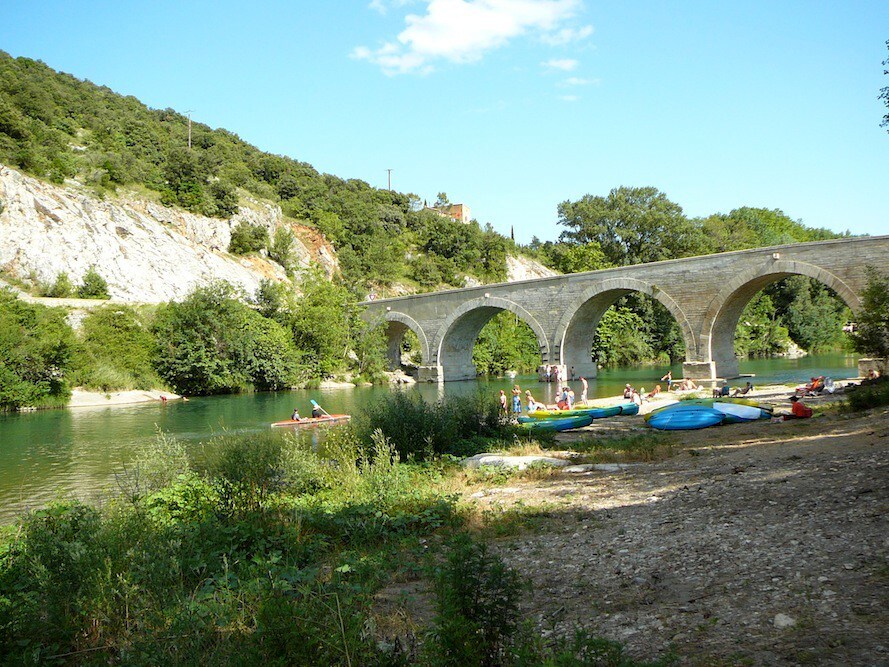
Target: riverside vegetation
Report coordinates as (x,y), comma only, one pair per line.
(269,548)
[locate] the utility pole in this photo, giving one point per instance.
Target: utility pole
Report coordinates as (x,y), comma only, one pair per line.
(189,112)
(390,179)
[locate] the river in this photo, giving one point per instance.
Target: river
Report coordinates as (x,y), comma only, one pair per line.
(75,453)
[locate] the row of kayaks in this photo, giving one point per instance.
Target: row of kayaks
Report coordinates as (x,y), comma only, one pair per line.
(705,412)
(675,416)
(552,421)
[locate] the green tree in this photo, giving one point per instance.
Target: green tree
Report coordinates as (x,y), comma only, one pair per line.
(212,343)
(619,340)
(36,346)
(62,287)
(93,285)
(631,225)
(760,331)
(506,343)
(872,336)
(247,237)
(322,323)
(281,248)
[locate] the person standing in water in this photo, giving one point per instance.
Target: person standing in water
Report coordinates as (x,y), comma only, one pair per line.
(584,388)
(516,400)
(504,409)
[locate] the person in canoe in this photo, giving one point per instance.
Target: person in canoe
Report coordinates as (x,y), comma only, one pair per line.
(317,411)
(295,416)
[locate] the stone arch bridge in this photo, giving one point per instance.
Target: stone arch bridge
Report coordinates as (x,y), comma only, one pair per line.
(705,295)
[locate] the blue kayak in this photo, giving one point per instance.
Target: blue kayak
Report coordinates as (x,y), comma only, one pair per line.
(686,418)
(629,408)
(554,425)
(734,412)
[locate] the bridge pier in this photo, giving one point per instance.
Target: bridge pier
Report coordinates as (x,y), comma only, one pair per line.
(699,370)
(430,374)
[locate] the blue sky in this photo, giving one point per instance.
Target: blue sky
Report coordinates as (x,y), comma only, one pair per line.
(512,106)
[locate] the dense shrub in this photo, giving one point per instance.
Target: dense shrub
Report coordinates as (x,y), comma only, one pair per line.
(62,287)
(36,346)
(213,343)
(117,350)
(872,336)
(454,425)
(247,237)
(869,396)
(93,286)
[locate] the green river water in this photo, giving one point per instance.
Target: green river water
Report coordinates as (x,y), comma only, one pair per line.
(75,453)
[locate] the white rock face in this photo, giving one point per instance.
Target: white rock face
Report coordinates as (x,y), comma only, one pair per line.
(524,268)
(146,252)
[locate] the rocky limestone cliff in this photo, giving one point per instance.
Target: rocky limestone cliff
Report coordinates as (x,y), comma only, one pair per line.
(146,252)
(525,268)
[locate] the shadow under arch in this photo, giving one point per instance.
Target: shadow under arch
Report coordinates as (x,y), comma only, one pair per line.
(724,312)
(398,324)
(574,333)
(452,346)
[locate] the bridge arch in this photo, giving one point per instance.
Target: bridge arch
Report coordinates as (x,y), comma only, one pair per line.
(452,346)
(717,343)
(397,325)
(574,333)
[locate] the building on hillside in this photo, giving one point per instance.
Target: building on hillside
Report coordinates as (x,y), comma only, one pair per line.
(457,212)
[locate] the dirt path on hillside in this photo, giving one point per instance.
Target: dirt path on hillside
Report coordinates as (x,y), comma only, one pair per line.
(761,543)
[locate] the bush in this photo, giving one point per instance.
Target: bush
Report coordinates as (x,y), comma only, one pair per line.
(211,343)
(477,600)
(247,237)
(117,350)
(93,286)
(872,337)
(62,288)
(868,396)
(36,346)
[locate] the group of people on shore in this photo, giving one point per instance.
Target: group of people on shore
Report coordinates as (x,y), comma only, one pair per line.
(565,399)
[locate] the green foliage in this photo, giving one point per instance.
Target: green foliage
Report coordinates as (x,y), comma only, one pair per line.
(631,226)
(872,337)
(62,288)
(813,313)
(884,92)
(281,248)
(869,396)
(116,337)
(247,237)
(93,286)
(506,343)
(417,429)
(619,339)
(212,343)
(477,600)
(760,331)
(36,346)
(321,323)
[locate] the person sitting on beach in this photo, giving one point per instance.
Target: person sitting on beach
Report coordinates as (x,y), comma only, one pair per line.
(532,404)
(873,374)
(570,398)
(654,392)
(743,391)
(629,391)
(798,410)
(636,397)
(687,384)
(812,388)
(719,392)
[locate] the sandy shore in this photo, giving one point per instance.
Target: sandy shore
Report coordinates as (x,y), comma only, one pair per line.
(81,398)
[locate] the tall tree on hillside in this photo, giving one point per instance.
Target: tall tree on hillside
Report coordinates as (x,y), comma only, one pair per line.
(631,225)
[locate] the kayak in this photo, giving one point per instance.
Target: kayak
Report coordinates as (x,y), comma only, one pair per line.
(312,421)
(686,419)
(737,410)
(553,425)
(595,413)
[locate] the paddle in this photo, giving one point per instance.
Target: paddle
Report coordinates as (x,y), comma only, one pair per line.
(315,405)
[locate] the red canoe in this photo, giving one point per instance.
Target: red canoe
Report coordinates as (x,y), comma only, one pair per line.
(312,421)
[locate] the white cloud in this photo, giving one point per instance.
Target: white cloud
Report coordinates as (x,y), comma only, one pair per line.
(383,6)
(462,31)
(578,81)
(569,98)
(567,35)
(564,64)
